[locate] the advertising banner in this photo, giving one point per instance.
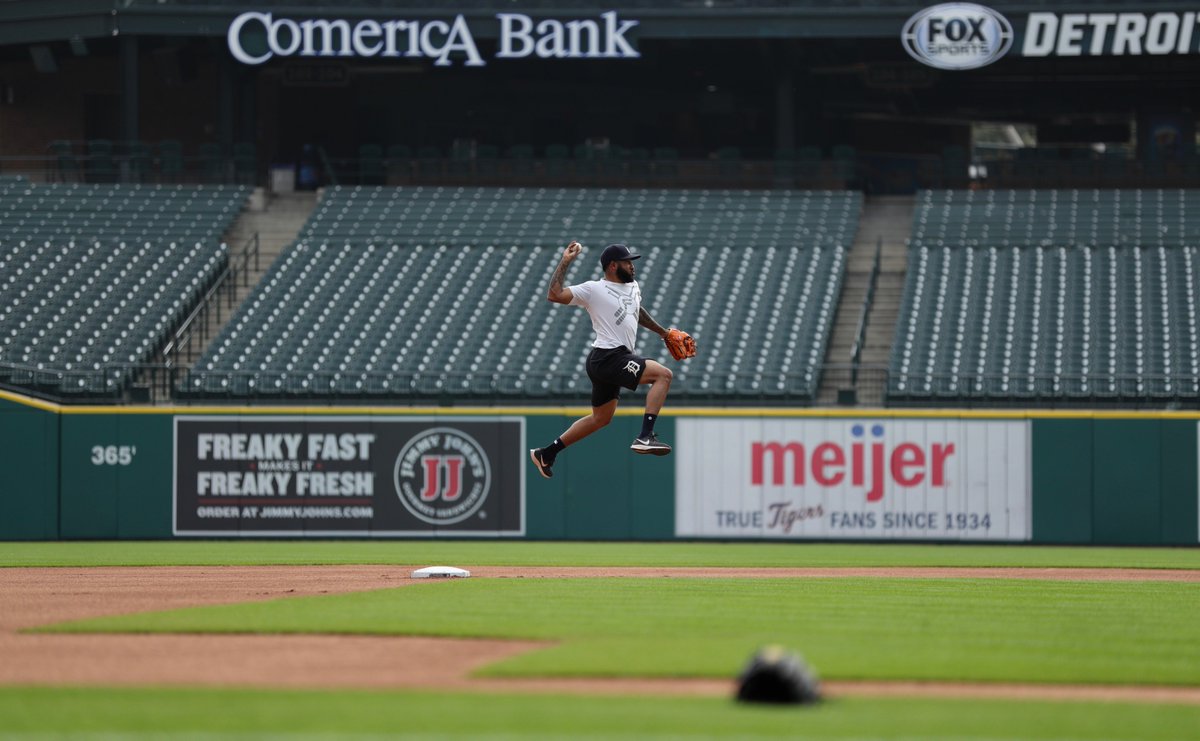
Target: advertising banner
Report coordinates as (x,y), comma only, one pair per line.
(349,476)
(881,479)
(965,36)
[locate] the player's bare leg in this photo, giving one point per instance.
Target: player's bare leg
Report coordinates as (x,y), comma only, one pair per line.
(543,458)
(584,426)
(659,377)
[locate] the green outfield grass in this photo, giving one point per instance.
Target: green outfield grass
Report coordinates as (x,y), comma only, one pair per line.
(473,553)
(949,629)
(985,629)
(229,715)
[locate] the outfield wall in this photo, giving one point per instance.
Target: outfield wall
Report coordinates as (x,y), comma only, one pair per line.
(155,472)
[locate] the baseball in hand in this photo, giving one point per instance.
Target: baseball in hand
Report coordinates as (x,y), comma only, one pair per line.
(573,250)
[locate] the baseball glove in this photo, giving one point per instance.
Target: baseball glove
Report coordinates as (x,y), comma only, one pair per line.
(775,675)
(681,344)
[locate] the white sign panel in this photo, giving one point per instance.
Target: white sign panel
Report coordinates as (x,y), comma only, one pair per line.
(858,479)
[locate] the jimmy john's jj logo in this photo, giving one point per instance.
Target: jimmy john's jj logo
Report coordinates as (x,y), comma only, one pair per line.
(957,36)
(443,476)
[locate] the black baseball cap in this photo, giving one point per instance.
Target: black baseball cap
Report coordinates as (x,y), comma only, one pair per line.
(615,252)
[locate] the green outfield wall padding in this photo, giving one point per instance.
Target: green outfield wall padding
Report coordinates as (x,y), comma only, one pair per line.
(1062,480)
(142,510)
(116,476)
(90,474)
(1115,481)
(652,495)
(601,490)
(29,458)
(1179,516)
(89,491)
(1127,481)
(546,500)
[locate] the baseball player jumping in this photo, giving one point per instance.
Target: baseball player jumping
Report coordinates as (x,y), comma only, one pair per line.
(615,306)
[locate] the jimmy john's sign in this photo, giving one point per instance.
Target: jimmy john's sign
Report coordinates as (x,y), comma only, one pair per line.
(962,36)
(257,37)
(349,476)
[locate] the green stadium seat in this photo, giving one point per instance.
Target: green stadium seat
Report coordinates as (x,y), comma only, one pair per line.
(1049,295)
(323,307)
(93,280)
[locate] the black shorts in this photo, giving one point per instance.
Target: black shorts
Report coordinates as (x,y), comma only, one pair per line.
(610,369)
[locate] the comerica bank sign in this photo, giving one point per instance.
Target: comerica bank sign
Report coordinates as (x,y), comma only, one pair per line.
(961,36)
(255,38)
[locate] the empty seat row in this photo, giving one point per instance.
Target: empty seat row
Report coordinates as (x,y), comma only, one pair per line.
(461,215)
(1050,217)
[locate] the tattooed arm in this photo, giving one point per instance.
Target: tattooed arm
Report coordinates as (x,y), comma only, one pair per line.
(557,293)
(645,320)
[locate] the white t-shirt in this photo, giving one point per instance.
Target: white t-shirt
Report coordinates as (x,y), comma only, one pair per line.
(614,308)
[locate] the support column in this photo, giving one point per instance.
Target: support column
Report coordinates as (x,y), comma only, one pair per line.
(785,127)
(785,111)
(130,100)
(247,123)
(226,100)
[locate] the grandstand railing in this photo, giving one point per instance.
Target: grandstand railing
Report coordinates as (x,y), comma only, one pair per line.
(600,171)
(159,383)
(1038,389)
(220,297)
(875,172)
(860,333)
(134,162)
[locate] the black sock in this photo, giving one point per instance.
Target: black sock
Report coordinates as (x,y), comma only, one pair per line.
(551,451)
(647,425)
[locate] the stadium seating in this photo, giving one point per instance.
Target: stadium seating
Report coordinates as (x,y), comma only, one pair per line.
(464,215)
(92,277)
(395,292)
(1052,217)
(1069,295)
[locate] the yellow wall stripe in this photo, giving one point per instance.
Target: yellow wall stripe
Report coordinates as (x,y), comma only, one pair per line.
(631,410)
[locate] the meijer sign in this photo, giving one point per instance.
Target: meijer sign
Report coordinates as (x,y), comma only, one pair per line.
(519,37)
(875,479)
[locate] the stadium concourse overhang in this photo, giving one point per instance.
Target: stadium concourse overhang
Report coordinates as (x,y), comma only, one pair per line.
(894,81)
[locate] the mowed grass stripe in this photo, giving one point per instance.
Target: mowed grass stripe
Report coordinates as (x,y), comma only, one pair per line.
(936,629)
(749,555)
(326,716)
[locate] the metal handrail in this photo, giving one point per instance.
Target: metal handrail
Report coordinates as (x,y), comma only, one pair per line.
(236,268)
(328,165)
(860,335)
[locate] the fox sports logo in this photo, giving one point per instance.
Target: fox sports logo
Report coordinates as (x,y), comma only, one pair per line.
(957,36)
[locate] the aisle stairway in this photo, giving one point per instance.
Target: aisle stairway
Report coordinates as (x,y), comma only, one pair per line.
(886,223)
